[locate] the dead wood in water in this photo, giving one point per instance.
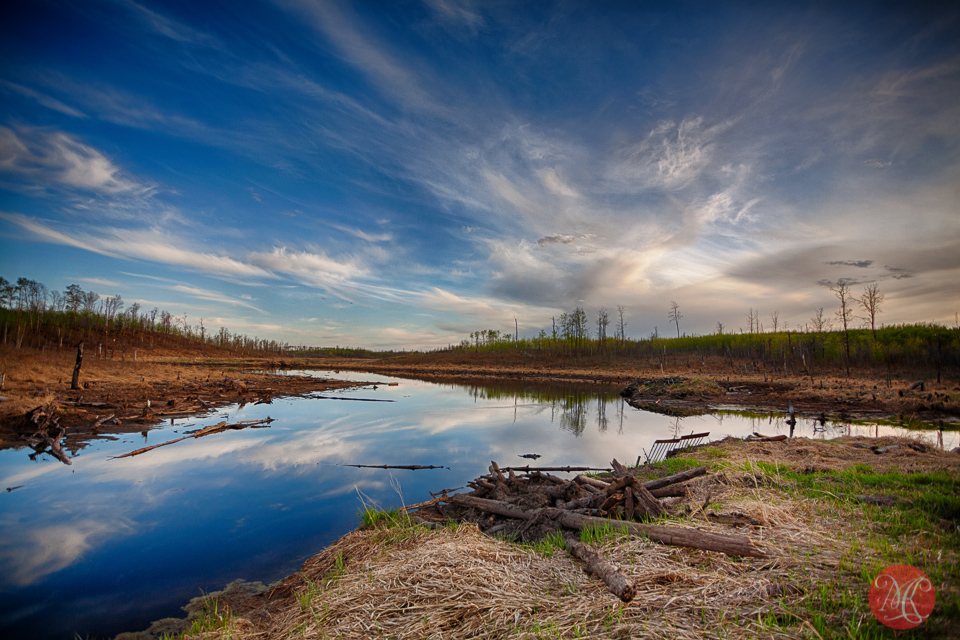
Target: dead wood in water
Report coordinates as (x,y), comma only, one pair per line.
(412,467)
(206,431)
(353,399)
(565,469)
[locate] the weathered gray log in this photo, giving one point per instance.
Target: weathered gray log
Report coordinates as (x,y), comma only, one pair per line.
(529,469)
(492,506)
(610,502)
(495,470)
(675,536)
(619,470)
(618,583)
(629,505)
(410,467)
(645,501)
(683,476)
(619,484)
(589,481)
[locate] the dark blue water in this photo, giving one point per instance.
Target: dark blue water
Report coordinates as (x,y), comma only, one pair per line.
(106,545)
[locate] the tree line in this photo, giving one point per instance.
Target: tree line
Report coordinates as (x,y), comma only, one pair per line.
(36,316)
(762,347)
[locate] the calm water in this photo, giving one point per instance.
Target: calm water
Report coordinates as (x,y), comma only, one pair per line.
(107,545)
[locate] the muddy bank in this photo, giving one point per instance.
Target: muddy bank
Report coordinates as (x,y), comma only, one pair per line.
(694,390)
(118,398)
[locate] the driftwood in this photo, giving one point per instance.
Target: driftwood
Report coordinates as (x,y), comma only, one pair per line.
(412,467)
(759,437)
(536,504)
(206,431)
(683,476)
(675,536)
(619,470)
(645,500)
(618,583)
(353,399)
(566,469)
(48,434)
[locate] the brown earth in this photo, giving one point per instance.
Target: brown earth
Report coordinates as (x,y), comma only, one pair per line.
(134,396)
(157,386)
(699,388)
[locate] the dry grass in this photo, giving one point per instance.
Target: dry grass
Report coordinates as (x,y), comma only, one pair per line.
(409,582)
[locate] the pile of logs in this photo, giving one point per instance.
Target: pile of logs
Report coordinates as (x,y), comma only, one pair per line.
(535,503)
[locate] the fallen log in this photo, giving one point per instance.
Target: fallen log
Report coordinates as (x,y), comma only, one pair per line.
(645,500)
(619,470)
(674,536)
(683,476)
(353,399)
(206,431)
(150,448)
(411,467)
(589,481)
(618,583)
(759,437)
(529,469)
(492,506)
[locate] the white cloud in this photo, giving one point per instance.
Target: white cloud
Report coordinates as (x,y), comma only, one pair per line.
(214,296)
(27,559)
(671,156)
(42,99)
(45,157)
(100,282)
(363,235)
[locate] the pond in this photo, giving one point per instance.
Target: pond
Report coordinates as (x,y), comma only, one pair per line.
(107,545)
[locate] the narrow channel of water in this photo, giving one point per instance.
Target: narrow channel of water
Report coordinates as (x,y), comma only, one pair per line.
(108,545)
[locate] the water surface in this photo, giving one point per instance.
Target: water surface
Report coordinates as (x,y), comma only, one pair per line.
(108,545)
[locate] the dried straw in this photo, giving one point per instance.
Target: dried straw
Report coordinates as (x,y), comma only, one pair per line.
(410,582)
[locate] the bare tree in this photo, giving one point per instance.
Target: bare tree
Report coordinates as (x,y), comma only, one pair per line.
(719,328)
(675,315)
(871,302)
(775,320)
(845,314)
(603,319)
(623,335)
(820,323)
(753,319)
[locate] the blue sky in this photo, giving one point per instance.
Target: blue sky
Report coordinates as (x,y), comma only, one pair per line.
(400,174)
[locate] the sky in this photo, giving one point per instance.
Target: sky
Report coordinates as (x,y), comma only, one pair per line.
(401,174)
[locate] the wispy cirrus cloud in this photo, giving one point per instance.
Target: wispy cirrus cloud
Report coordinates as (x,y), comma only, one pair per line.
(42,157)
(41,99)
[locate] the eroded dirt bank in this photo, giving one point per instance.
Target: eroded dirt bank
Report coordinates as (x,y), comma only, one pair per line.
(698,389)
(132,396)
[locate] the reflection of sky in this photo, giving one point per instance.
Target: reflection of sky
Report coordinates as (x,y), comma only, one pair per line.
(107,545)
